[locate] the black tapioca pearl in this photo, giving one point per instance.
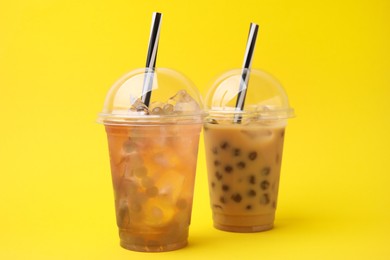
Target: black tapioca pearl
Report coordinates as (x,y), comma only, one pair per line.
(236,197)
(236,152)
(241,165)
(217,163)
(225,187)
(282,133)
(251,193)
(222,200)
(218,175)
(228,168)
(264,185)
(264,199)
(213,185)
(224,145)
(252,156)
(215,150)
(248,207)
(252,179)
(265,171)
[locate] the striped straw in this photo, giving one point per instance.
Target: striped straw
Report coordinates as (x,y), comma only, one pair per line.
(250,47)
(151,57)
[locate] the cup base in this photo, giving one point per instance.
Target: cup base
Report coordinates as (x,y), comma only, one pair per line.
(241,229)
(243,224)
(149,248)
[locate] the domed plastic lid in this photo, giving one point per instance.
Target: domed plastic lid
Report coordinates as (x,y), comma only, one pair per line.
(265,97)
(173,99)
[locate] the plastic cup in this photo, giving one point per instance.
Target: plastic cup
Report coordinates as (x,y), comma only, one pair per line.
(153,155)
(244,158)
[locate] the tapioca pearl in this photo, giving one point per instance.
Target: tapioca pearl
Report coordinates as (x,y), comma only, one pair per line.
(214,150)
(241,165)
(236,152)
(151,191)
(251,193)
(236,197)
(225,188)
(264,185)
(282,133)
(265,171)
(181,204)
(264,199)
(248,207)
(224,145)
(147,182)
(228,169)
(213,185)
(252,156)
(274,204)
(218,175)
(140,172)
(222,199)
(252,179)
(217,163)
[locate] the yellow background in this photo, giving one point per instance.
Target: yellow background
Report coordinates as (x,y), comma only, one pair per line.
(59,58)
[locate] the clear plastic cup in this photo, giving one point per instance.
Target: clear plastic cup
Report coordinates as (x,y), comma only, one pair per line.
(244,150)
(153,154)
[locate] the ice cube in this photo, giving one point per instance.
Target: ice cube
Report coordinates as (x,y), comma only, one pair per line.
(134,165)
(170,185)
(139,106)
(158,212)
(156,108)
(168,109)
(183,102)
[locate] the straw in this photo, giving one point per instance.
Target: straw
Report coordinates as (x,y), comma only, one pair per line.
(151,57)
(250,47)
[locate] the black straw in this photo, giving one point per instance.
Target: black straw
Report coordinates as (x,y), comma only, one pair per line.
(250,47)
(151,57)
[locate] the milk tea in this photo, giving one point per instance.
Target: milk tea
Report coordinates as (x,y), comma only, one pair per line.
(243,163)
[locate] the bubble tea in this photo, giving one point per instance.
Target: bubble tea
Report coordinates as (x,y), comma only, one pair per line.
(153,153)
(244,150)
